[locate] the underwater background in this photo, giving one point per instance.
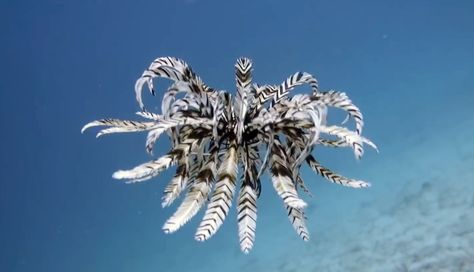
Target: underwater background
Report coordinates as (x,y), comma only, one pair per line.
(408,65)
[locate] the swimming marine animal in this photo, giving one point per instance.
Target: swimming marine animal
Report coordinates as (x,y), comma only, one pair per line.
(214,136)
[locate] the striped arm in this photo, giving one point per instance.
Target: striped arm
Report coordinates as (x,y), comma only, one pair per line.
(176,185)
(147,170)
(243,78)
(195,197)
(333,177)
(221,199)
(247,214)
(351,138)
(282,177)
(172,68)
(341,100)
(268,92)
(297,219)
(117,126)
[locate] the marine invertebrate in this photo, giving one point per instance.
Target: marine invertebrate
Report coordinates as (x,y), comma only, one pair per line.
(213,135)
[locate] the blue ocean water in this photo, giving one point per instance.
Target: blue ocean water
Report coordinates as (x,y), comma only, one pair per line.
(409,66)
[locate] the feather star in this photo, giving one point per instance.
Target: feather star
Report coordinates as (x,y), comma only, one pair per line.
(214,135)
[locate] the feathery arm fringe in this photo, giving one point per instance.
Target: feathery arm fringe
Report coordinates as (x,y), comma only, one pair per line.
(221,199)
(282,177)
(333,177)
(195,197)
(247,214)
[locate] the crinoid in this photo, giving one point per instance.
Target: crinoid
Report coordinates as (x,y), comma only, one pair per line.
(214,135)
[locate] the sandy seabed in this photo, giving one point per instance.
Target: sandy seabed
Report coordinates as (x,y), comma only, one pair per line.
(423,221)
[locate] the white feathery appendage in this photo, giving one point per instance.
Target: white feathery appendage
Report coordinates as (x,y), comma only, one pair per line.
(192,203)
(287,191)
(247,217)
(221,199)
(151,139)
(175,186)
(341,100)
(160,67)
(352,138)
(144,79)
(195,197)
(243,69)
(117,126)
(297,219)
(163,125)
(334,177)
(145,171)
(282,177)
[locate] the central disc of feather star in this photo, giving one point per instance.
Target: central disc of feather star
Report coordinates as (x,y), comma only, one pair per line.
(214,135)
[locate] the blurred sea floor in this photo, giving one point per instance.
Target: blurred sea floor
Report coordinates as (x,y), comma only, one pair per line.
(421,217)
